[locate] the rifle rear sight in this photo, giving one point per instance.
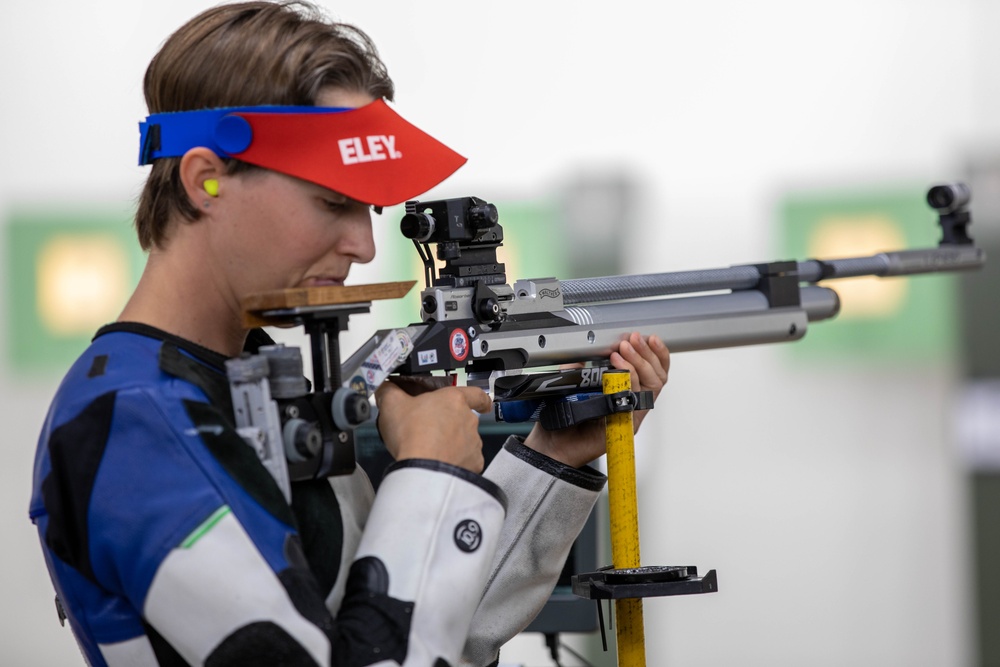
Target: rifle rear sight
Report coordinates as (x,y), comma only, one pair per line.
(467,233)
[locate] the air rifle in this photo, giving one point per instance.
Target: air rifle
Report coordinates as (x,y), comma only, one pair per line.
(472,319)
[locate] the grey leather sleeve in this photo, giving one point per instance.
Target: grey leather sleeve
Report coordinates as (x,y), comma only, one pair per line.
(547,505)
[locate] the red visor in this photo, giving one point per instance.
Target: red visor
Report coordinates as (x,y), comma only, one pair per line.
(370,154)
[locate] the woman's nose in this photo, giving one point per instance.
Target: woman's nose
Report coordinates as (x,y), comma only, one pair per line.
(357,241)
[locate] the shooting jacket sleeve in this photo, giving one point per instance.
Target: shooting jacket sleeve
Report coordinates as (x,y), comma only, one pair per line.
(547,506)
(427,548)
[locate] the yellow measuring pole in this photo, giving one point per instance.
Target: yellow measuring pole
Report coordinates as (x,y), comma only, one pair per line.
(624,515)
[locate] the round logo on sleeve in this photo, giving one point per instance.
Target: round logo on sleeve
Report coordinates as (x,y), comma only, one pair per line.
(468,535)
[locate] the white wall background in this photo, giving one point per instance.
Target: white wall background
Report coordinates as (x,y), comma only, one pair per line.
(832,503)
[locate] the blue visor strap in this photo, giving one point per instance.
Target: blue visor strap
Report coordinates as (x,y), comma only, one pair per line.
(222,131)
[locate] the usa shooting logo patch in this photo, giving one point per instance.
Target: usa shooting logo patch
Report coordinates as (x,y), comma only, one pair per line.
(468,535)
(458,343)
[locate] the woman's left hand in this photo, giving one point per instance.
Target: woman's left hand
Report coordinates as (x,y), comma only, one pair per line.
(648,360)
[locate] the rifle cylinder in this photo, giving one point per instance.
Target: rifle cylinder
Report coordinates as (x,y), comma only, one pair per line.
(820,303)
(686,323)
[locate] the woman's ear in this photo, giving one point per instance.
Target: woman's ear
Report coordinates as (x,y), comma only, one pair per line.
(201,171)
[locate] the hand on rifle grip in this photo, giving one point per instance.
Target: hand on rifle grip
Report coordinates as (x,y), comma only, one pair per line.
(439,425)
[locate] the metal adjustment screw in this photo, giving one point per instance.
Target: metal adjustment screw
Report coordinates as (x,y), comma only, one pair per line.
(488,310)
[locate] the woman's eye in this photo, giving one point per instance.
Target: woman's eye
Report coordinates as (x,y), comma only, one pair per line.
(334,205)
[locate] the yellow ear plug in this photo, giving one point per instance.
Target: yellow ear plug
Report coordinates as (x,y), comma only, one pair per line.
(211,187)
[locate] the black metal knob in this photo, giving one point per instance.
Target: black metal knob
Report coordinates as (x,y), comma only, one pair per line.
(417,226)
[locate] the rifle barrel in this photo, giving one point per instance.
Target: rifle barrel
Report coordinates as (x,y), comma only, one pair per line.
(944,258)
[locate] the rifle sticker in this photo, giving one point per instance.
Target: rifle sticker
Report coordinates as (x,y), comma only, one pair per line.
(391,351)
(427,357)
(458,343)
